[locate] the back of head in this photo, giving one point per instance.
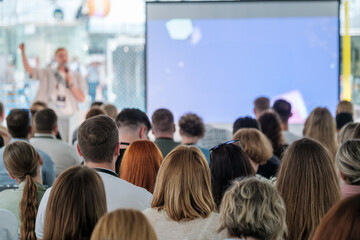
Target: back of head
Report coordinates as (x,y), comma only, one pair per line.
(163,121)
(261,104)
(141,163)
(252,207)
(22,161)
(245,122)
(37,106)
(1,109)
(320,125)
(356,132)
(342,119)
(76,203)
(18,123)
(124,224)
(283,108)
(183,185)
(97,139)
(45,121)
(271,126)
(341,222)
(255,144)
(96,104)
(227,162)
(345,106)
(110,110)
(132,118)
(348,161)
(308,185)
(347,132)
(192,125)
(94,111)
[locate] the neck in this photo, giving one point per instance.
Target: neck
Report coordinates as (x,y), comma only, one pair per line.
(164,135)
(285,126)
(188,139)
(106,165)
(49,133)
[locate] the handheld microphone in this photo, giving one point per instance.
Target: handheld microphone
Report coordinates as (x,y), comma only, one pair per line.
(66,68)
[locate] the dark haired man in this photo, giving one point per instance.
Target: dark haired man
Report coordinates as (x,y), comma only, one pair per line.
(245,122)
(19,126)
(283,108)
(163,130)
(133,124)
(261,104)
(46,128)
(98,143)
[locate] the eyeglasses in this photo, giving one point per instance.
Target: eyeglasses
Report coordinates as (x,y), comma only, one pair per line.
(222,144)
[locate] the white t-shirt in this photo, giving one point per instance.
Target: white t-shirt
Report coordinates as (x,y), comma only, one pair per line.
(197,229)
(119,194)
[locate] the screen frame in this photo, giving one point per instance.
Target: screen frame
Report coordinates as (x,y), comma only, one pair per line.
(149,2)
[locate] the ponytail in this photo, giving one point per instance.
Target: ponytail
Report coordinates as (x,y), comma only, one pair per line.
(28,209)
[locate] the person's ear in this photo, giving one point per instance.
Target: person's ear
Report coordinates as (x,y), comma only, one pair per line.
(153,132)
(291,115)
(117,150)
(30,130)
(41,162)
(343,177)
(11,176)
(180,132)
(78,150)
(174,127)
(142,132)
(55,129)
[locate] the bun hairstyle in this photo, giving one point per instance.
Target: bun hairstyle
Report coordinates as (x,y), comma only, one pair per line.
(22,161)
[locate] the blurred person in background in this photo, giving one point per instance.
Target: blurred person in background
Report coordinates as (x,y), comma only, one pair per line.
(261,104)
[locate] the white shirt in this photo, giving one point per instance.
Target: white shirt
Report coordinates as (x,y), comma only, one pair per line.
(290,137)
(197,229)
(50,90)
(119,194)
(62,154)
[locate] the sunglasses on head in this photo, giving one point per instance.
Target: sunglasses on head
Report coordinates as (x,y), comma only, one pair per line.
(225,143)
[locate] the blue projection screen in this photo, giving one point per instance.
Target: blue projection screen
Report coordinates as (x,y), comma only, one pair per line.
(215,58)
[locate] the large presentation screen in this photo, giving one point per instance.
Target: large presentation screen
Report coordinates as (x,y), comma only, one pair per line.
(215,58)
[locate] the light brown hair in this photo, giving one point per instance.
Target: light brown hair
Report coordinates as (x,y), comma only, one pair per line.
(347,132)
(252,207)
(141,163)
(262,103)
(192,125)
(348,161)
(341,222)
(345,106)
(308,185)
(183,185)
(163,121)
(94,111)
(320,125)
(255,144)
(110,110)
(22,161)
(123,224)
(76,203)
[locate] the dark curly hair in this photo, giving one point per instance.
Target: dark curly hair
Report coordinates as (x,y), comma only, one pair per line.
(191,124)
(271,126)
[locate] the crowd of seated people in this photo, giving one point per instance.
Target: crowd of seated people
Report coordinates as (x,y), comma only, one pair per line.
(112,182)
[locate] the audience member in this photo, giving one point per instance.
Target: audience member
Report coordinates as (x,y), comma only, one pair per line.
(342,119)
(110,110)
(18,122)
(257,147)
(94,111)
(356,132)
(320,125)
(283,109)
(37,106)
(271,126)
(183,206)
(227,162)
(245,122)
(99,144)
(261,104)
(5,137)
(348,162)
(253,209)
(8,225)
(23,164)
(192,129)
(96,104)
(308,185)
(124,224)
(347,132)
(163,130)
(76,203)
(345,106)
(62,154)
(341,222)
(141,163)
(133,124)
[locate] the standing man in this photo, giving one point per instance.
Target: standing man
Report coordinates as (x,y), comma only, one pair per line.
(61,88)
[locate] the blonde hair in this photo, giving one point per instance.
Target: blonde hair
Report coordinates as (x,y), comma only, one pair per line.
(308,185)
(345,106)
(255,144)
(347,132)
(348,161)
(320,125)
(22,161)
(252,207)
(183,185)
(123,224)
